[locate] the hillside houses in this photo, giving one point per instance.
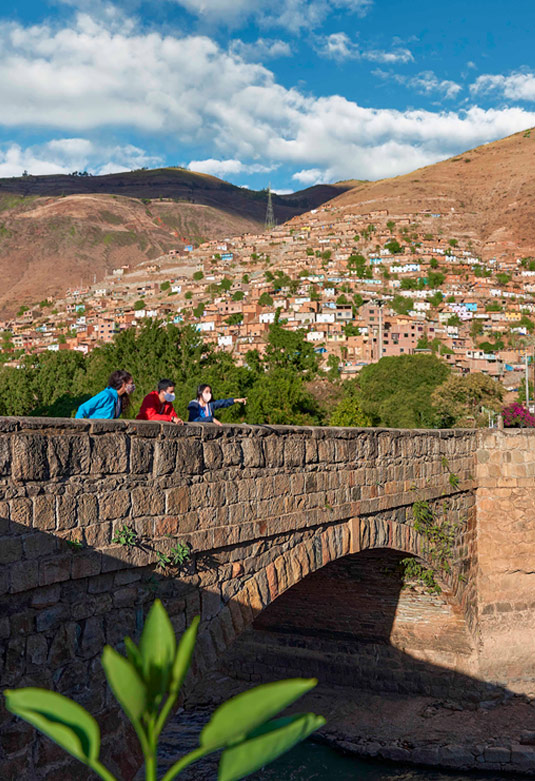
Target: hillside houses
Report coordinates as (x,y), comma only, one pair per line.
(361,286)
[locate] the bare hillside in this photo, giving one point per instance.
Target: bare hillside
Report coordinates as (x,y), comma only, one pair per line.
(486,194)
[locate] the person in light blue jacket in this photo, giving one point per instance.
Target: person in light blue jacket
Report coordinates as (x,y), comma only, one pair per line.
(112,401)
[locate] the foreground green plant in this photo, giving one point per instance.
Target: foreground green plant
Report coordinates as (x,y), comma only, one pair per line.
(146,685)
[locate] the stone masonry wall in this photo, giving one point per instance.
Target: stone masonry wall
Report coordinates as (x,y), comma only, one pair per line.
(505,479)
(261,508)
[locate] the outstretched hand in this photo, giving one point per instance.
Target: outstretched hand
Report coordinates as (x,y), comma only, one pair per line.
(241,401)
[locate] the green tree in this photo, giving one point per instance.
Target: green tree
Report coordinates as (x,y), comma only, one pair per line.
(454,320)
(396,391)
(165,286)
(234,319)
(225,284)
(502,278)
(290,350)
(458,401)
(280,397)
(238,295)
(198,275)
(433,263)
(265,299)
(394,247)
(348,412)
(391,225)
(351,330)
(435,279)
(139,305)
(199,310)
(401,304)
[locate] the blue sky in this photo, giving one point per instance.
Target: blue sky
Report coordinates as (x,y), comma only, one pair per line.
(293,92)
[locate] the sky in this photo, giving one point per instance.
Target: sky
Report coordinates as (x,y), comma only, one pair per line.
(286,92)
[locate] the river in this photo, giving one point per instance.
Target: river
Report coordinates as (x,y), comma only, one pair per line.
(316,762)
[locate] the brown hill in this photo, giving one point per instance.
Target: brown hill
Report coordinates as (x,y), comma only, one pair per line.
(486,195)
(61,231)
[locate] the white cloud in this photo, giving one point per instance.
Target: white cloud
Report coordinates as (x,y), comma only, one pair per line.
(516,86)
(90,81)
(308,176)
(294,15)
(260,50)
(224,168)
(64,155)
(338,46)
(425,83)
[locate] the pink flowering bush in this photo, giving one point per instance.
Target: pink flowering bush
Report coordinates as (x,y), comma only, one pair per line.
(517,416)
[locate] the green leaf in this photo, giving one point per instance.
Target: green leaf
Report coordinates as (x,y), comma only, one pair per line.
(183,656)
(133,654)
(239,716)
(62,720)
(266,744)
(158,648)
(128,688)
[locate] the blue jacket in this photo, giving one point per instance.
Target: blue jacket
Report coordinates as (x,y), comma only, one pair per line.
(104,405)
(198,414)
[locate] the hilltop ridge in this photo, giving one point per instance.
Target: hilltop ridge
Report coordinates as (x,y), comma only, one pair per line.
(64,230)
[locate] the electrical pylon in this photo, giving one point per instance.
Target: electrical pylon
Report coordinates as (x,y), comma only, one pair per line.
(270,216)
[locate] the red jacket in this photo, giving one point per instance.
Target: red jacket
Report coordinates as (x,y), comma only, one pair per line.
(153,409)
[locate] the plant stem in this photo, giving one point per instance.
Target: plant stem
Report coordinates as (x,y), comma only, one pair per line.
(179,766)
(162,718)
(102,771)
(150,766)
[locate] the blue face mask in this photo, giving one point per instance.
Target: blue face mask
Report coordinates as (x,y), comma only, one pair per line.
(170,397)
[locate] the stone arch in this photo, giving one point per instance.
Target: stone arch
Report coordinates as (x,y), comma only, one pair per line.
(295,563)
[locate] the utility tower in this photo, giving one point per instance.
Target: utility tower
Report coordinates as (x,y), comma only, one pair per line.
(270,217)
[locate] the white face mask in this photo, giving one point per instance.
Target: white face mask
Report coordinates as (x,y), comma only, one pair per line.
(207,397)
(169,396)
(130,388)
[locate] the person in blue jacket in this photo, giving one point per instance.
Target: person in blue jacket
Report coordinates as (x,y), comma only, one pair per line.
(201,409)
(112,401)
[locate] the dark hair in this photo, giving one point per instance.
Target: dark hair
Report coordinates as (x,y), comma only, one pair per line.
(116,380)
(201,388)
(164,384)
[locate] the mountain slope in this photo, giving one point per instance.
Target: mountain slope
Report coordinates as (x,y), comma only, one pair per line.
(60,231)
(486,194)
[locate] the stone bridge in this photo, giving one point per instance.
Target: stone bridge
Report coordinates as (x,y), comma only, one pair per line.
(323,514)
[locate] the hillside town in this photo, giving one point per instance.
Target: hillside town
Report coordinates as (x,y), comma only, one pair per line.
(362,286)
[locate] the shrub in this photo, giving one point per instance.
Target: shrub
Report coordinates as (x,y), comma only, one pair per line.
(517,416)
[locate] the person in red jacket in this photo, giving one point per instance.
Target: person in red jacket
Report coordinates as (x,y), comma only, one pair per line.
(158,404)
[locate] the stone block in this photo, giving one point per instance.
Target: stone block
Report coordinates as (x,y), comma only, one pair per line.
(141,456)
(36,650)
(253,453)
(55,570)
(177,500)
(109,454)
(87,509)
(147,501)
(30,460)
(213,455)
(66,512)
(86,565)
(68,455)
(37,545)
(10,549)
(44,512)
(5,456)
(45,597)
(24,575)
(21,512)
(113,505)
